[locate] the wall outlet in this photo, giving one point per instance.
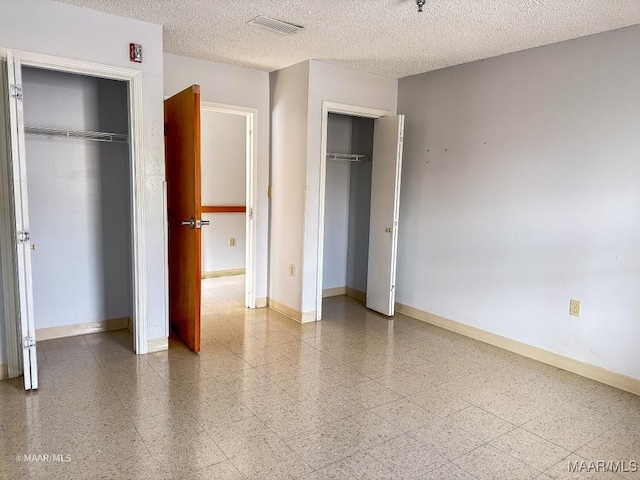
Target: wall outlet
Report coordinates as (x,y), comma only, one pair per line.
(232,242)
(574,308)
(292,270)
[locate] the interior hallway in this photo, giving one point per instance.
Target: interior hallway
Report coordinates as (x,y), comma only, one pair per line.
(353,396)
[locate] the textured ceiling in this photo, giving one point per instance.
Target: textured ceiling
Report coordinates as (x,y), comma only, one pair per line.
(380,36)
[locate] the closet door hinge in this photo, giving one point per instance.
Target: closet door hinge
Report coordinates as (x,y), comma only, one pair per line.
(23,237)
(28,342)
(250,213)
(16,91)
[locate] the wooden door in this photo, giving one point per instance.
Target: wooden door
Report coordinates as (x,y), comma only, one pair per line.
(385,206)
(182,157)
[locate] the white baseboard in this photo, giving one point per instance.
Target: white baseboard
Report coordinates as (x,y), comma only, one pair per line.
(334,292)
(357,294)
(224,273)
(593,372)
(4,371)
(261,302)
(157,345)
(306,317)
(64,331)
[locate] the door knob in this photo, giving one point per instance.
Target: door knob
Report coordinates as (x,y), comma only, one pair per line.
(191,223)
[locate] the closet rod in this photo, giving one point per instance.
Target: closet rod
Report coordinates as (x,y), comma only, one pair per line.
(86,135)
(348,157)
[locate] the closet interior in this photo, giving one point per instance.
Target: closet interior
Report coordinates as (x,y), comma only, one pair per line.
(347,205)
(79,205)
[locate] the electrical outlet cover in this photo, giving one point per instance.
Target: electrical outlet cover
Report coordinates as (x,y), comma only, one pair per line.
(574,308)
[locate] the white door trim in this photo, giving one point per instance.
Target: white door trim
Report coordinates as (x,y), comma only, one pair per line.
(343,109)
(251,186)
(137,175)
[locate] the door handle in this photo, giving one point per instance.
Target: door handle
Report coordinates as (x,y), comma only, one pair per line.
(191,223)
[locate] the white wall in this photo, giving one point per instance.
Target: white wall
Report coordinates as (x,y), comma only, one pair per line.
(236,86)
(83,34)
(289,94)
(79,206)
(223,171)
(342,85)
(521,190)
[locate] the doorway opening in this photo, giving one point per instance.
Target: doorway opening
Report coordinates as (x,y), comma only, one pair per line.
(360,169)
(228,184)
(347,206)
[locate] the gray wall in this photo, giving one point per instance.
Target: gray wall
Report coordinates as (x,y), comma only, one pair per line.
(521,190)
(360,205)
(336,217)
(79,207)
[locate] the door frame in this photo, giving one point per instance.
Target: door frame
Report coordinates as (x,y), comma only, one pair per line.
(136,171)
(251,190)
(342,109)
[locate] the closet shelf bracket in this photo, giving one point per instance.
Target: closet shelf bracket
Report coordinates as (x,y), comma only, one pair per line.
(347,157)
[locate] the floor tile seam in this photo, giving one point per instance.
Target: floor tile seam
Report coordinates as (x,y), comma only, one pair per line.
(507,420)
(575,452)
(489,413)
(284,444)
(216,444)
(365,452)
(488,444)
(552,442)
(543,439)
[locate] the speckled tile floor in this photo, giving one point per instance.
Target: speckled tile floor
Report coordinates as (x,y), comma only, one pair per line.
(355,396)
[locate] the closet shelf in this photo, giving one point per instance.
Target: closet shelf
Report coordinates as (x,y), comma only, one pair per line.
(86,135)
(347,157)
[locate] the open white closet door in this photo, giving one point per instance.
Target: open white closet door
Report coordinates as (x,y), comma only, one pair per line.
(15,243)
(385,205)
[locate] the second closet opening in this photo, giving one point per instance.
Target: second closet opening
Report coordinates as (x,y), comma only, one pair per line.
(347,205)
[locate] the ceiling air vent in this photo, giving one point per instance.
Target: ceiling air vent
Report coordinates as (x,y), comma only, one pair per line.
(273,25)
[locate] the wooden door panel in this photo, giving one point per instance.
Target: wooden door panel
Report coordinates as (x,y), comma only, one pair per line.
(182,156)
